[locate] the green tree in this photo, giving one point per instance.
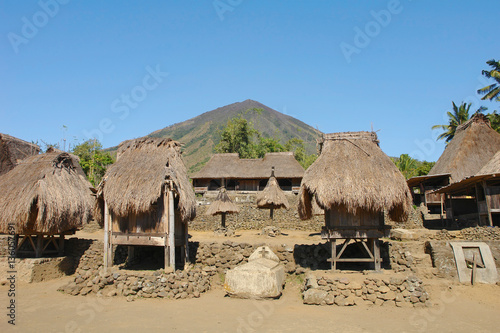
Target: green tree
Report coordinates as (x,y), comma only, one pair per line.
(407,165)
(238,137)
(494,118)
(492,91)
(424,168)
(268,145)
(93,160)
(459,116)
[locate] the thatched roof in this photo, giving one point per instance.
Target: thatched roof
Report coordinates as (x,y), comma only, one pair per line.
(12,150)
(135,182)
(272,195)
(353,172)
(222,204)
(473,145)
(231,166)
(45,193)
(492,167)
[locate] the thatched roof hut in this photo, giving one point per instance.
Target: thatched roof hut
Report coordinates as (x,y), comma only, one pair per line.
(147,198)
(135,182)
(272,196)
(13,150)
(45,193)
(222,204)
(232,172)
(473,145)
(352,173)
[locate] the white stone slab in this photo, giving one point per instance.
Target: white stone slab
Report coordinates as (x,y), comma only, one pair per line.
(487,274)
(261,277)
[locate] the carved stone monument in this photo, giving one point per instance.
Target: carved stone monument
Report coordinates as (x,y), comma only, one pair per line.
(261,277)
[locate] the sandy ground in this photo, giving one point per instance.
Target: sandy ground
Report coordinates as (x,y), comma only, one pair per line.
(41,308)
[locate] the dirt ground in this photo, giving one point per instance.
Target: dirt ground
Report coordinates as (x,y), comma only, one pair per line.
(455,308)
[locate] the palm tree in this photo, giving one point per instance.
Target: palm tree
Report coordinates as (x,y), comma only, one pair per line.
(493,90)
(459,116)
(407,165)
(494,118)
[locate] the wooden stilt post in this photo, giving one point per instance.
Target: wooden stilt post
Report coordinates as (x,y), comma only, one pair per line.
(165,226)
(39,246)
(223,220)
(376,254)
(107,262)
(186,242)
(333,243)
(171,228)
(488,207)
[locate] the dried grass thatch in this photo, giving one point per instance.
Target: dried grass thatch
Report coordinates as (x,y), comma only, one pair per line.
(222,204)
(473,145)
(135,182)
(492,167)
(45,193)
(13,150)
(353,172)
(231,166)
(272,196)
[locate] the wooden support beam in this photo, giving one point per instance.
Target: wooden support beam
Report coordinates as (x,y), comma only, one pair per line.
(107,261)
(490,219)
(39,246)
(376,253)
(165,229)
(186,241)
(171,228)
(333,242)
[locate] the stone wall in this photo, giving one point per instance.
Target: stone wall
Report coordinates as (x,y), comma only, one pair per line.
(398,291)
(252,218)
(90,276)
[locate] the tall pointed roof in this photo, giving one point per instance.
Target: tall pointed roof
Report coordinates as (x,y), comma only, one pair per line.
(12,150)
(473,145)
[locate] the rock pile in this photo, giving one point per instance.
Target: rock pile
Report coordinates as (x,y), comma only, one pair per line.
(223,232)
(271,231)
(407,291)
(401,258)
(481,233)
(443,235)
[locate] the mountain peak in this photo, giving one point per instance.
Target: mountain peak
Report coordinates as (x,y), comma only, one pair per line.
(200,134)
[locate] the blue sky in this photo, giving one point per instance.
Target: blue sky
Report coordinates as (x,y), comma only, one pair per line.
(336,65)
